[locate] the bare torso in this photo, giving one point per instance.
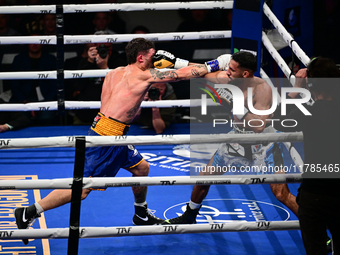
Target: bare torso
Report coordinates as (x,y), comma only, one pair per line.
(261,100)
(123,91)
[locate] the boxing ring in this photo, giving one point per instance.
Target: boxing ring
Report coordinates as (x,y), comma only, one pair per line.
(240,214)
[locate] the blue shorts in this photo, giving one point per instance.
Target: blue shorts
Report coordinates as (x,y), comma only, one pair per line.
(106,161)
(248,159)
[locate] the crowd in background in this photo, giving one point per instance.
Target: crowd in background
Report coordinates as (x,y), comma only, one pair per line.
(35,57)
(38,57)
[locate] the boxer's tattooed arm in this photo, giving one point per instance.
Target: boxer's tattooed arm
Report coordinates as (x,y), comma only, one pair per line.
(196,71)
(162,75)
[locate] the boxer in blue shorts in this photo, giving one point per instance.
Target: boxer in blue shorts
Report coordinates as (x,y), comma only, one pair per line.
(257,157)
(123,91)
(106,161)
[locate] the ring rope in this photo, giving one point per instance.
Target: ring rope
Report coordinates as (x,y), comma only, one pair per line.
(68,74)
(278,59)
(94,141)
(173,36)
(75,8)
(107,182)
(285,35)
(75,105)
(28,9)
(96,232)
(115,38)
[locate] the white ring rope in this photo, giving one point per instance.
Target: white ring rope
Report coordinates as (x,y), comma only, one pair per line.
(107,182)
(173,36)
(68,74)
(46,39)
(75,105)
(285,35)
(278,59)
(95,232)
(21,9)
(115,38)
(75,8)
(95,141)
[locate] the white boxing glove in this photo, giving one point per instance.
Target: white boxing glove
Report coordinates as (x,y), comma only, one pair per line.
(221,63)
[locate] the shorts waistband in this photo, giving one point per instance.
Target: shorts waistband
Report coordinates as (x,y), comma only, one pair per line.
(105,126)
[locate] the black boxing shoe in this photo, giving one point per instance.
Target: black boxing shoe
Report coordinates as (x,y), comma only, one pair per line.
(144,216)
(188,217)
(25,217)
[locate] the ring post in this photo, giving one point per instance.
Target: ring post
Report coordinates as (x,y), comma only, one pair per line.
(60,62)
(247,33)
(73,239)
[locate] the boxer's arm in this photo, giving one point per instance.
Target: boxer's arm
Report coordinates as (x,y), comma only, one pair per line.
(186,73)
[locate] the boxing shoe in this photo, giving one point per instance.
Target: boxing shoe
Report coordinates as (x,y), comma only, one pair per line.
(188,217)
(25,217)
(143,216)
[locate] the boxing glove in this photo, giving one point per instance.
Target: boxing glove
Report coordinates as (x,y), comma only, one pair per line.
(163,59)
(221,63)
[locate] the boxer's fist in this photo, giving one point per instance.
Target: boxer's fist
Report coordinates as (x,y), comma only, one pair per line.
(221,63)
(163,59)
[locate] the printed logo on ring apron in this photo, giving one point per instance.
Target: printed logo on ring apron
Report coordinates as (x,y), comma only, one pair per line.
(232,210)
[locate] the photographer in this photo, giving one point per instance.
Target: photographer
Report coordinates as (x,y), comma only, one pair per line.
(100,56)
(158,118)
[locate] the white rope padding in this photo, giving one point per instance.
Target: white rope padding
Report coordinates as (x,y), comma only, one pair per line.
(32,75)
(76,105)
(46,39)
(76,74)
(95,141)
(68,74)
(278,59)
(107,182)
(116,38)
(95,232)
(75,8)
(285,35)
(148,6)
(173,36)
(28,9)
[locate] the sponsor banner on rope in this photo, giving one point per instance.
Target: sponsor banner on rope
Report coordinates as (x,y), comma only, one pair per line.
(10,198)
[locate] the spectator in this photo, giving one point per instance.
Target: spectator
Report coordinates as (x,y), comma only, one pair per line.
(12,120)
(319,195)
(140,30)
(91,89)
(157,118)
(6,30)
(49,24)
(25,91)
(117,25)
(101,22)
